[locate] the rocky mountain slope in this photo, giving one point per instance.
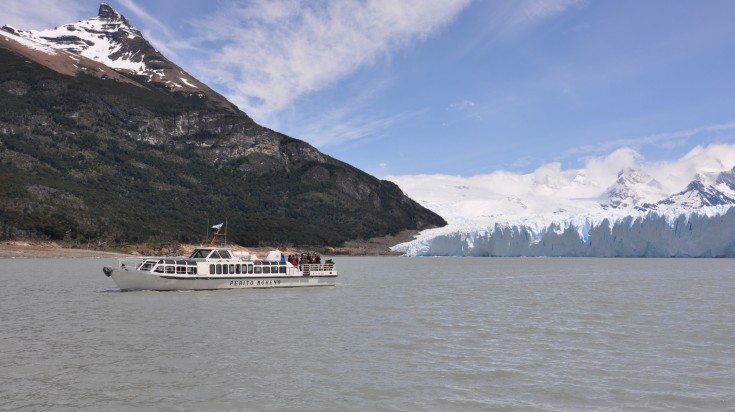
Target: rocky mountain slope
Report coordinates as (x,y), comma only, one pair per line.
(102,139)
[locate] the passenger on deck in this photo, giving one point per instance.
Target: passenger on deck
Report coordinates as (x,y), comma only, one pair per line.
(293,260)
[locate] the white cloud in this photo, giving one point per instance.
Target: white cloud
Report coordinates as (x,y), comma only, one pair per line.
(532,11)
(604,169)
(507,19)
(677,174)
(144,16)
(462,105)
(158,33)
(278,51)
(348,122)
(339,128)
(42,14)
(668,139)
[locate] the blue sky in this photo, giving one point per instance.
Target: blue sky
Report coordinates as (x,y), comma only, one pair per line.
(455,87)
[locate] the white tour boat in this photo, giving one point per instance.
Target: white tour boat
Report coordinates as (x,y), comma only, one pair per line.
(219,268)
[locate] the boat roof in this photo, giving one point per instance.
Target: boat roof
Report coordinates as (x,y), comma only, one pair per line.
(204,252)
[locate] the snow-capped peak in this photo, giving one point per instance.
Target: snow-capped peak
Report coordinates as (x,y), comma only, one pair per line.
(698,195)
(108,13)
(633,189)
(109,39)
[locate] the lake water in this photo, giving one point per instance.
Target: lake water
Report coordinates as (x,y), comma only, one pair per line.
(395,334)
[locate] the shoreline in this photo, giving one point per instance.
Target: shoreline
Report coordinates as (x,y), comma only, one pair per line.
(25,249)
(379,246)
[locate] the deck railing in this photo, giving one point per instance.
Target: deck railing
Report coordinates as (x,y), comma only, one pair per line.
(317,267)
(133,262)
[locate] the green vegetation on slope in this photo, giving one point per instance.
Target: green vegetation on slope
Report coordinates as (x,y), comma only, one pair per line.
(84,159)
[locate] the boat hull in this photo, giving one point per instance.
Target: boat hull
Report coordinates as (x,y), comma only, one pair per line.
(131,280)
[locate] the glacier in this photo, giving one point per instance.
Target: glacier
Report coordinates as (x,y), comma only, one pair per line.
(710,232)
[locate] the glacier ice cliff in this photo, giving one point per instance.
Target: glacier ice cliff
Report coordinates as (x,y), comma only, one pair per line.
(709,232)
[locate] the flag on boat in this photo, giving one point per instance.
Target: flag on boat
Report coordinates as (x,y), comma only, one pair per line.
(217,226)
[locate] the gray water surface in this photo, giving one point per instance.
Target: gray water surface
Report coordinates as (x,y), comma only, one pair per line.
(404,334)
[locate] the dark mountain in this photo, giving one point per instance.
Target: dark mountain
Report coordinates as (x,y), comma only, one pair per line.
(91,153)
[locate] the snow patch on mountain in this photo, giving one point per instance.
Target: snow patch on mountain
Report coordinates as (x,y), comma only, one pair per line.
(16,35)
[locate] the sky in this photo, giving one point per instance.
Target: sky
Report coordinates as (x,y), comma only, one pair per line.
(461,88)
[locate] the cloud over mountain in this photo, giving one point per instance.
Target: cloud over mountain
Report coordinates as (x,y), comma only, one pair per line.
(43,14)
(496,196)
(277,51)
(618,188)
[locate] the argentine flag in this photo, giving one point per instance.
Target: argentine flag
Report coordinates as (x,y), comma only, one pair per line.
(217,226)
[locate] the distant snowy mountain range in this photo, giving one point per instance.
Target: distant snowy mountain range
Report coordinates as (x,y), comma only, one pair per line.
(637,211)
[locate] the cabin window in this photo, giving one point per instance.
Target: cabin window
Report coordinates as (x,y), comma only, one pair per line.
(267,269)
(169,269)
(250,269)
(258,269)
(219,269)
(282,269)
(225,254)
(237,269)
(232,269)
(181,270)
(199,254)
(215,255)
(191,270)
(211,269)
(159,269)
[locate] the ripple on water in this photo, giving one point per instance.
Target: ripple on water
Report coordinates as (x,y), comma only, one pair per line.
(394,334)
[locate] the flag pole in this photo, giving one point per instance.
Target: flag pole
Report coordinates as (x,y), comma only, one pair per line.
(214,238)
